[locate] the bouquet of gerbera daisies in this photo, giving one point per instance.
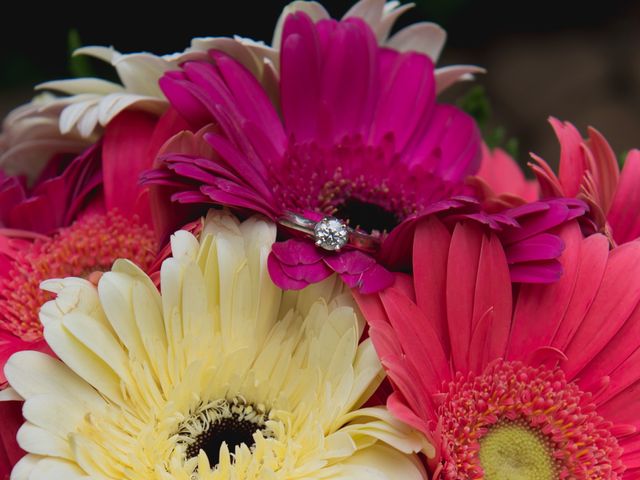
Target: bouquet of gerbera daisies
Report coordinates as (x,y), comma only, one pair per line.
(291,261)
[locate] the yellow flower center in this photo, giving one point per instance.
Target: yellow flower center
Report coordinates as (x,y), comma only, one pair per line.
(516,421)
(517,452)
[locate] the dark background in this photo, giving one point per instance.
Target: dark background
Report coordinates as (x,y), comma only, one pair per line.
(560,58)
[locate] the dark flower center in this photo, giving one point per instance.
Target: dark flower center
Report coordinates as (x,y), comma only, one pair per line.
(232,422)
(232,431)
(363,184)
(366,216)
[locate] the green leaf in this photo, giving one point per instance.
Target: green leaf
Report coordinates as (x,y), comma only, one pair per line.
(622,157)
(79,66)
(476,103)
(512,147)
(494,138)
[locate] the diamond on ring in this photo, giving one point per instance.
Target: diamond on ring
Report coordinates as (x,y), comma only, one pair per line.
(331,233)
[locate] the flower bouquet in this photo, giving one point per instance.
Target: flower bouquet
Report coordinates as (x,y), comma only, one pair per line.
(292,261)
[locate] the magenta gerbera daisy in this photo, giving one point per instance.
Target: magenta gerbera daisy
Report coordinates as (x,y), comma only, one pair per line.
(537,384)
(355,139)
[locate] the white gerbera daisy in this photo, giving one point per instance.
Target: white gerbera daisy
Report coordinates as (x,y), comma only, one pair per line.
(31,135)
(222,376)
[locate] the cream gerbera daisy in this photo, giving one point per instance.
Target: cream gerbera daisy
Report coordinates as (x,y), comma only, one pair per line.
(221,377)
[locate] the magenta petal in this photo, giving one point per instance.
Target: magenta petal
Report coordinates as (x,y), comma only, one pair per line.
(189,197)
(352,281)
(536,272)
(576,207)
(252,170)
(536,223)
(192,172)
(349,80)
(504,220)
(539,247)
(373,280)
(312,273)
(453,203)
(280,278)
(249,96)
(528,209)
(300,74)
(161,177)
(407,97)
(351,262)
(460,146)
(183,101)
(296,252)
(230,194)
(482,218)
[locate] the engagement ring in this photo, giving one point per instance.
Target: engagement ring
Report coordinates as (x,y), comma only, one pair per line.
(330,233)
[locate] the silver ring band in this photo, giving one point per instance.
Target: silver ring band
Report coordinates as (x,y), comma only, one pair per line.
(330,233)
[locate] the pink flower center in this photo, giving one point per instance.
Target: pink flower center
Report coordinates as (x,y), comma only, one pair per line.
(521,422)
(91,244)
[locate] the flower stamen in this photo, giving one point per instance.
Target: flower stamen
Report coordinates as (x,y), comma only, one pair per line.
(89,246)
(489,420)
(233,422)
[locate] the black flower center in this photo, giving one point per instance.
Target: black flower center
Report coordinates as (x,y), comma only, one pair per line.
(233,422)
(366,216)
(232,431)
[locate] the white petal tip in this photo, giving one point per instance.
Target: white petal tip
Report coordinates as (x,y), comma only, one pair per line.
(9,394)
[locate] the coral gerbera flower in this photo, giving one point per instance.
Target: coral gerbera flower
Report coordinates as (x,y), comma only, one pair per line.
(219,377)
(539,384)
(501,183)
(78,218)
(356,134)
(589,170)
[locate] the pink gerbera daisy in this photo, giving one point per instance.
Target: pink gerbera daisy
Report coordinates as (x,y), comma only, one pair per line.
(540,383)
(355,134)
(589,170)
(77,219)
